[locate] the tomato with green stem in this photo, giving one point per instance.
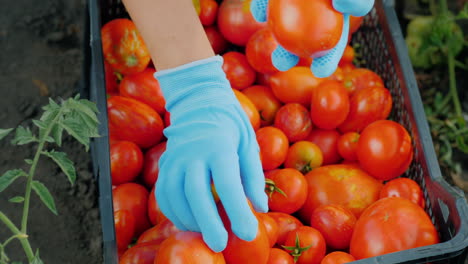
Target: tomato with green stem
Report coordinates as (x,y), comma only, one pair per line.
(286,223)
(303,156)
(306,244)
(286,189)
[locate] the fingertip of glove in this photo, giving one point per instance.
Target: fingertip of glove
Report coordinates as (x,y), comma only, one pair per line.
(216,240)
(248,230)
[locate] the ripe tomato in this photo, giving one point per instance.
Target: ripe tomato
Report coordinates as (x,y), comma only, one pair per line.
(271,227)
(134,121)
(167,119)
(265,102)
(327,141)
(238,70)
(279,256)
(144,253)
(287,190)
(142,86)
(263,79)
(335,223)
(354,24)
(348,55)
(249,109)
(347,145)
(338,75)
(366,106)
(389,225)
(133,197)
(259,49)
(360,78)
(306,62)
(337,257)
(303,156)
(126,161)
(124,223)
(315,29)
(404,188)
(329,106)
(384,149)
(208,12)
(345,185)
(294,120)
(273,147)
(286,223)
(112,83)
(235,21)
(158,233)
(154,212)
(306,245)
(123,47)
(294,85)
(187,247)
(217,41)
(151,164)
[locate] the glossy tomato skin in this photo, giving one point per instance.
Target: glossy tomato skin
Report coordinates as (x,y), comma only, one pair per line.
(238,70)
(385,150)
(265,102)
(134,121)
(389,225)
(133,197)
(329,105)
(345,185)
(144,253)
(347,145)
(287,190)
(235,21)
(123,47)
(208,12)
(154,212)
(142,86)
(112,84)
(158,233)
(360,78)
(337,257)
(286,223)
(315,29)
(279,256)
(249,108)
(259,49)
(327,141)
(126,162)
(307,236)
(271,227)
(294,120)
(404,188)
(273,145)
(124,223)
(217,41)
(151,164)
(335,223)
(187,247)
(303,156)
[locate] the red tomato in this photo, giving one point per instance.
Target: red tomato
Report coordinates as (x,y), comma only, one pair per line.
(217,41)
(208,12)
(366,106)
(235,21)
(126,161)
(249,108)
(124,223)
(271,227)
(294,120)
(345,185)
(279,256)
(144,253)
(112,83)
(187,247)
(265,102)
(389,225)
(384,149)
(263,79)
(335,223)
(287,190)
(238,70)
(306,62)
(273,147)
(286,223)
(338,75)
(348,55)
(303,156)
(354,24)
(142,86)
(151,164)
(259,49)
(404,188)
(158,233)
(134,121)
(306,245)
(167,119)
(133,197)
(347,146)
(123,47)
(337,257)
(327,141)
(294,85)
(360,78)
(329,106)
(154,213)
(315,29)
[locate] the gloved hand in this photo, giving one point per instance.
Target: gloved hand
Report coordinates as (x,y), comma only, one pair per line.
(326,65)
(210,139)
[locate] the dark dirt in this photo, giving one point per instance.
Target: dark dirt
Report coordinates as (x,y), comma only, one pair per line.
(41,56)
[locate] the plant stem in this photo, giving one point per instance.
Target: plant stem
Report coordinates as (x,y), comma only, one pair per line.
(453,85)
(443,6)
(22,238)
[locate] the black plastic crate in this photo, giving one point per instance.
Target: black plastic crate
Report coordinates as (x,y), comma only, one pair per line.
(384,51)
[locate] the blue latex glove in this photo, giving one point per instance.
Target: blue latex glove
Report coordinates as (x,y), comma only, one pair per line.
(326,65)
(210,139)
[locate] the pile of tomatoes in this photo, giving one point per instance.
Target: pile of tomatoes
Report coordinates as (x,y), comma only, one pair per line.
(332,161)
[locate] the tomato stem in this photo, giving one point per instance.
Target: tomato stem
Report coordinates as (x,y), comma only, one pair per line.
(23,238)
